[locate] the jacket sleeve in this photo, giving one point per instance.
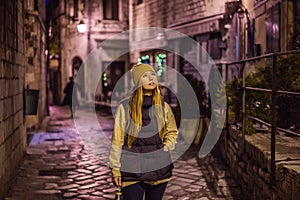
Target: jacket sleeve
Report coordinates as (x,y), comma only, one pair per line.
(117,141)
(170,130)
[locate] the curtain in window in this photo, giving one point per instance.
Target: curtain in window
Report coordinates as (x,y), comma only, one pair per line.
(111,9)
(272,28)
(251,28)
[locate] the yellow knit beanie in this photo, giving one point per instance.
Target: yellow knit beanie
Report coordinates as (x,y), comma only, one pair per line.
(137,71)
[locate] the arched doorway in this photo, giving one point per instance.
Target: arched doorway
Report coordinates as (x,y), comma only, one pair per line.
(79,78)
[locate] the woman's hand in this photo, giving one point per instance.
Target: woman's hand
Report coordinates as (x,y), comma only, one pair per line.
(117,181)
(166,148)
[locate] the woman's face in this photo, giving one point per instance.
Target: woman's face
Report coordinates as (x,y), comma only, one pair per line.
(149,80)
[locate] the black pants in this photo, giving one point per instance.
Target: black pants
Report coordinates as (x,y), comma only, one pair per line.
(136,191)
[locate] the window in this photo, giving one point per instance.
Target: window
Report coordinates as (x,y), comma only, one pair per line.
(144,59)
(36,5)
(203,41)
(112,77)
(111,9)
(214,50)
(272,28)
(250,32)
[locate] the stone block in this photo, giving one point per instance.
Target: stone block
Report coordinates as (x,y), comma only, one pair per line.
(1,66)
(5,128)
(2,183)
(8,148)
(17,156)
(23,138)
(8,127)
(22,75)
(1,132)
(15,122)
(19,101)
(10,88)
(2,157)
(19,59)
(1,108)
(7,111)
(2,88)
(20,118)
(16,137)
(15,87)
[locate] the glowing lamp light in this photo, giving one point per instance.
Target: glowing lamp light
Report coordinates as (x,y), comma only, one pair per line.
(81,27)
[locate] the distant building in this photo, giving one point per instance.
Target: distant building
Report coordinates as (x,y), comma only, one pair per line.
(201,20)
(226,31)
(103,18)
(261,27)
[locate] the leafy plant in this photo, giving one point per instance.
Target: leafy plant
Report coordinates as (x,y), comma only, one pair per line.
(258,103)
(54,40)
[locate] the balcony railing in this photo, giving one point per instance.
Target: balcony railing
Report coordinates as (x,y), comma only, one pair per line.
(241,73)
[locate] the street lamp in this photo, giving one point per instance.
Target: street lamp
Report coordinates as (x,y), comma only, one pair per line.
(81,27)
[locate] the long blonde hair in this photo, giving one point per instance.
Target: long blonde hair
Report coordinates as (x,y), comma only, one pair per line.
(135,112)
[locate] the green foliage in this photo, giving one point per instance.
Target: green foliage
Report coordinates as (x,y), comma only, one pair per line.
(289,73)
(258,103)
(234,97)
(296,37)
(54,40)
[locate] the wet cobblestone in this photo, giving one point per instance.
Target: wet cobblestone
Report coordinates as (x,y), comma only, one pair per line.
(61,164)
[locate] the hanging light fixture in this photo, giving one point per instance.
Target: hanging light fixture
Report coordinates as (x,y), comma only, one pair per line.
(81,27)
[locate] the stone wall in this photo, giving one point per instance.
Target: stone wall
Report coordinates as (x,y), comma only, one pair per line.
(12,129)
(165,13)
(35,61)
(77,46)
(251,166)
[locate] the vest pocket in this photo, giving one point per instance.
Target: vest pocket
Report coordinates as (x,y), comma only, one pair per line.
(166,163)
(130,165)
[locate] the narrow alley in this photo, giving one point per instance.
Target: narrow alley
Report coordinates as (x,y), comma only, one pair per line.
(61,164)
(229,69)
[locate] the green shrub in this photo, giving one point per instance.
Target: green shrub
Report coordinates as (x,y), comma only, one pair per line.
(258,103)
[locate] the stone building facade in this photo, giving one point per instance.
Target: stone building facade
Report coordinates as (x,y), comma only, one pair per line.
(35,60)
(104,19)
(12,81)
(201,20)
(228,30)
(15,53)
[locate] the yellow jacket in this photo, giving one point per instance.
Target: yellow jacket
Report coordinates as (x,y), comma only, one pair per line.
(168,135)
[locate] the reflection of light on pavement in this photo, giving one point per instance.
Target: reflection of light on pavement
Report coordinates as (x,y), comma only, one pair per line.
(96,136)
(36,138)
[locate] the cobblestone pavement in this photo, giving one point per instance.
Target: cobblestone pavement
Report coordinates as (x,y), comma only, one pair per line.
(61,163)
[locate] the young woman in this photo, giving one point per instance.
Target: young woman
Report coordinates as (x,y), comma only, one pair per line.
(144,133)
